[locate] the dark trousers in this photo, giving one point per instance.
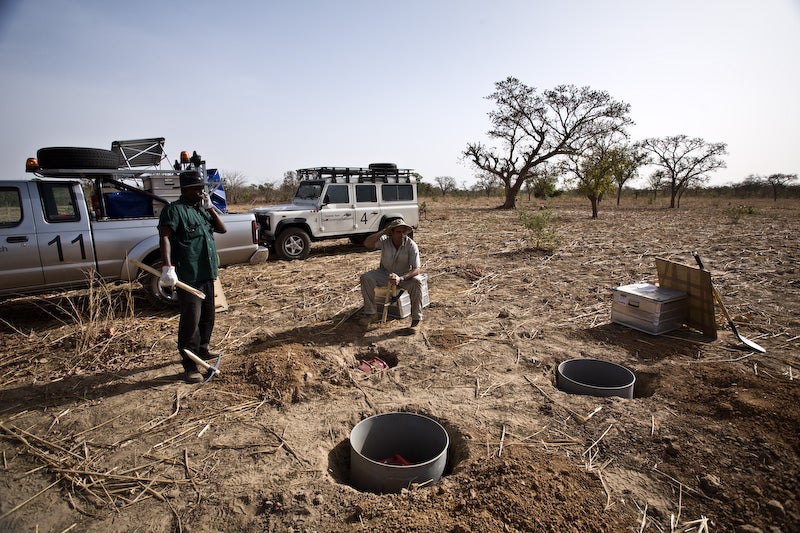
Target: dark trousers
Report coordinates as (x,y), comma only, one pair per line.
(196,322)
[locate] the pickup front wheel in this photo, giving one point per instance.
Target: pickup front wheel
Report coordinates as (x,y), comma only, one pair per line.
(292,244)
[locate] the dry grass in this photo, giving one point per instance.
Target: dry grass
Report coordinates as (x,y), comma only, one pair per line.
(260,447)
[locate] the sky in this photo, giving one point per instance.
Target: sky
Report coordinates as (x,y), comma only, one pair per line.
(263,87)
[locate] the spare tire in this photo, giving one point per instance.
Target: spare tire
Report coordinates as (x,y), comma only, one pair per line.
(382,166)
(71,157)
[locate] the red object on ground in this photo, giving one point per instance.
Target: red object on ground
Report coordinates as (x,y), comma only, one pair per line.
(374,364)
(397,460)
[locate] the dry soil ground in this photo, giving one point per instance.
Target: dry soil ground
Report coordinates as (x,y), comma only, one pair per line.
(99,434)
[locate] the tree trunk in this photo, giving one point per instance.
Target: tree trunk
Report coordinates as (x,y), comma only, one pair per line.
(619,193)
(593,199)
(672,196)
(511,196)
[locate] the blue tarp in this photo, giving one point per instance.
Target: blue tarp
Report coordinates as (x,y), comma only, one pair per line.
(218,197)
(128,204)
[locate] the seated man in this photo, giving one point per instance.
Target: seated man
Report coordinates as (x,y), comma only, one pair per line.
(400,264)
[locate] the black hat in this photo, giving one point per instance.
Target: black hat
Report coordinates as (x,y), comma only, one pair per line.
(191,178)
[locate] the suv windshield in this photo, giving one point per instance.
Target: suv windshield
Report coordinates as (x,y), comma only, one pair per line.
(309,190)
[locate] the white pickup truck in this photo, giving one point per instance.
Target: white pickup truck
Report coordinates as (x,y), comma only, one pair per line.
(51,238)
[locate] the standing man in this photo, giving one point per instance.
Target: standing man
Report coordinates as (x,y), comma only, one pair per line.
(186,229)
(400,264)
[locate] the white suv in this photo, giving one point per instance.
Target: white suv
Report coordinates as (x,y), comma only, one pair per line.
(337,202)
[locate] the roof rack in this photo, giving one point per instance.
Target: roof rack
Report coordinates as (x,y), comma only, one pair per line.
(375,173)
(111,172)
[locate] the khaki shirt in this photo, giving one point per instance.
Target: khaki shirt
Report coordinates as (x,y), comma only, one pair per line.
(398,260)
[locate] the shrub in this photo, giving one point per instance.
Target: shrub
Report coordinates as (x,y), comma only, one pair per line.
(539,229)
(736,213)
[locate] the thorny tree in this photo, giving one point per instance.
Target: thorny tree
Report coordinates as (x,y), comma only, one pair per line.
(235,184)
(445,184)
(593,171)
(626,161)
(686,160)
(486,183)
(778,182)
(533,128)
(656,181)
(542,182)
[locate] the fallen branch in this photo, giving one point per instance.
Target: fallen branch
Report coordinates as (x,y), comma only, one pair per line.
(288,448)
(117,476)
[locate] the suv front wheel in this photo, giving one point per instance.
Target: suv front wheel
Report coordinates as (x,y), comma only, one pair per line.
(292,244)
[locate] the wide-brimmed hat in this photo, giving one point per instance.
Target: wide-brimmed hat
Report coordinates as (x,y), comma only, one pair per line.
(397,223)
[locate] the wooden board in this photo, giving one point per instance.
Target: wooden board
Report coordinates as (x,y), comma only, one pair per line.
(220,302)
(696,284)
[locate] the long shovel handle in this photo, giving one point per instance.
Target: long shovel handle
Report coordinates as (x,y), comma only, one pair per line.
(724,309)
(717,297)
(188,288)
(389,293)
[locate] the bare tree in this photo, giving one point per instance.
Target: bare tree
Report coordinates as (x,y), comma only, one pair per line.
(686,160)
(533,128)
(446,184)
(657,180)
(235,184)
(779,181)
(486,183)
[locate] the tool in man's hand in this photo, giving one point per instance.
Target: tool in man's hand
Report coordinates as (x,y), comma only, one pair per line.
(718,298)
(211,369)
(180,284)
(394,298)
(390,291)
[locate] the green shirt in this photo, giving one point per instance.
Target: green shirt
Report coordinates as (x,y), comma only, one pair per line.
(194,252)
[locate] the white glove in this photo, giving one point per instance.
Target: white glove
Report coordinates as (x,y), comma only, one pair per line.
(169,278)
(207,201)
